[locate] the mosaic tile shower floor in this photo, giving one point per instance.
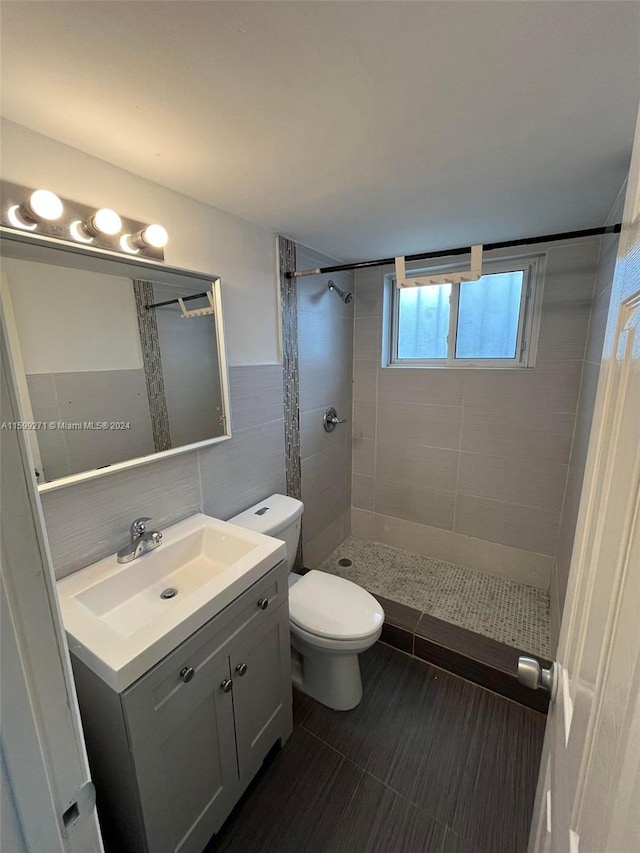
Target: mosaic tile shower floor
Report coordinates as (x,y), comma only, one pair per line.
(512,613)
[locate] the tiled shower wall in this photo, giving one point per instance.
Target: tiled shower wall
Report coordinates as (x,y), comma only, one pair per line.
(591,370)
(325,349)
(90,520)
(470,466)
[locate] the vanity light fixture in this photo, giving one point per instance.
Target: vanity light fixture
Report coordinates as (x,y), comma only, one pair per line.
(42,205)
(46,215)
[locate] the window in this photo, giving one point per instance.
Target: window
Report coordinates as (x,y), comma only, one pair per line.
(491,322)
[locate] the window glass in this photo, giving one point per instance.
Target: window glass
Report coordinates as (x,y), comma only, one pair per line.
(423,321)
(488,316)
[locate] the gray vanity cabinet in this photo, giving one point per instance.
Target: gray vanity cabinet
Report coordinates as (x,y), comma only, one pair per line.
(261,670)
(182,739)
(171,755)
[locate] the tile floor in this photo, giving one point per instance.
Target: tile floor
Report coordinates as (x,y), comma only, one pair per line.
(512,613)
(427,763)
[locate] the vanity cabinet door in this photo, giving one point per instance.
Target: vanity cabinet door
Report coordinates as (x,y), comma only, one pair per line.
(182,738)
(261,673)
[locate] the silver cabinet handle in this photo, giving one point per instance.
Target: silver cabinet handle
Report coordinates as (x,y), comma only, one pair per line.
(227,685)
(532,675)
(241,669)
(263,603)
(187,673)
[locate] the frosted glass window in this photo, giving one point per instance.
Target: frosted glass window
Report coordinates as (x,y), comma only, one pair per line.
(488,316)
(492,322)
(423,323)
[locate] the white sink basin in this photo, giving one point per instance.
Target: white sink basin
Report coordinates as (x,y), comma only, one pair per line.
(115,618)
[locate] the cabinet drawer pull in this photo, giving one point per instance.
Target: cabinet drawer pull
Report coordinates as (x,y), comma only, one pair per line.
(241,669)
(227,685)
(263,603)
(187,673)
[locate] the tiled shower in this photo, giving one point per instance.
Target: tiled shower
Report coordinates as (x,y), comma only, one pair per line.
(461,482)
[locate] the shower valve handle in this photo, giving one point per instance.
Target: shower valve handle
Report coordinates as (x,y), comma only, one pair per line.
(330,419)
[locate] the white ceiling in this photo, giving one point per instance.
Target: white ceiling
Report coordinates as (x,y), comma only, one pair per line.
(363,129)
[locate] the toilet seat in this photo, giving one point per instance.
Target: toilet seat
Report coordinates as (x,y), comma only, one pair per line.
(325,606)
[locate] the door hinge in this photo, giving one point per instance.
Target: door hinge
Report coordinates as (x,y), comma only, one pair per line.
(79,808)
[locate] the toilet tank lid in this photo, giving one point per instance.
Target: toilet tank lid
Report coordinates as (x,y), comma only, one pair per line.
(270,515)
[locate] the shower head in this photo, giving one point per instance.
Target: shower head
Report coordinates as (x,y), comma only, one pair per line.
(346,297)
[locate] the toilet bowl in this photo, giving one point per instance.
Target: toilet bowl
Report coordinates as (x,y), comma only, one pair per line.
(332,620)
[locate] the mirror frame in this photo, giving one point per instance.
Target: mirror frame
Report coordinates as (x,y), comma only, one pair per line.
(33,247)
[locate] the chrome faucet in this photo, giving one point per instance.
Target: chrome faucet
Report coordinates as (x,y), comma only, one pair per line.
(141,541)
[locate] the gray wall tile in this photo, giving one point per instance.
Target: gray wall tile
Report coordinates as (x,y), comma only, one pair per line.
(362,495)
(404,385)
(436,426)
(256,394)
(366,338)
(88,521)
(238,473)
(518,526)
(364,455)
(413,464)
(520,434)
(538,483)
(323,470)
(414,503)
(365,378)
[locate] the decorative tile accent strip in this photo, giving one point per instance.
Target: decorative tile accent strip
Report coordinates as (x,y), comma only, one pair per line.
(291,375)
(152,361)
(512,613)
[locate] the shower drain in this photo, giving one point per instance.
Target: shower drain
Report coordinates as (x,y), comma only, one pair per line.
(345,562)
(169,593)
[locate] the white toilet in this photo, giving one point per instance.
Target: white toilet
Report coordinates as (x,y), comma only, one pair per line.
(332,620)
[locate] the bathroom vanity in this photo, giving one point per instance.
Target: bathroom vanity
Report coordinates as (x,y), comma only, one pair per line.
(173,750)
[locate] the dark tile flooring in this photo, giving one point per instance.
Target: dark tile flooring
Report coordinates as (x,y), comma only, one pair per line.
(472,656)
(427,763)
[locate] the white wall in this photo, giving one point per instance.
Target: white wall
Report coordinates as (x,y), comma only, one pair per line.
(72,320)
(201,237)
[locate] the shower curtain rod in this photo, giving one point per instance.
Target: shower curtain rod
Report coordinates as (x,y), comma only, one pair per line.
(175,301)
(463,250)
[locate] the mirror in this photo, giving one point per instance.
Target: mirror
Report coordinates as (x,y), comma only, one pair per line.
(117,362)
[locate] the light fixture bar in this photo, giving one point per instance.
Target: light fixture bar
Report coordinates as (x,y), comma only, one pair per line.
(43,213)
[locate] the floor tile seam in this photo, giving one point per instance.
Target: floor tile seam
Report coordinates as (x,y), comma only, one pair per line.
(333,748)
(412,802)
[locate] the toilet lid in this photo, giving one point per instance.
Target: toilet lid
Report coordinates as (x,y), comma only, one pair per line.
(333,607)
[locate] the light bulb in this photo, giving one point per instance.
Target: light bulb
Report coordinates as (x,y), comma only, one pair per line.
(43,204)
(155,235)
(151,235)
(106,221)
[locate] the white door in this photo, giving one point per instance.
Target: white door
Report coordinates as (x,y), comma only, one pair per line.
(47,797)
(588,796)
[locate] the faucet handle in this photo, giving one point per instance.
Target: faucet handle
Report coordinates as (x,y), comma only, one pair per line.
(139,526)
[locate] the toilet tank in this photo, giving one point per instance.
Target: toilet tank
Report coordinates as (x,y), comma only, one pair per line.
(278,516)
